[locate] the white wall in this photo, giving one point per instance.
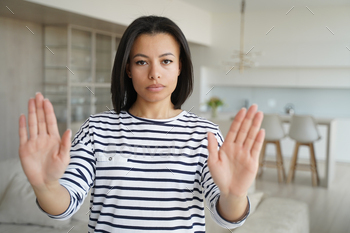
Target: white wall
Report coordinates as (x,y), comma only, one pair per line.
(298,52)
(21,75)
(298,39)
(195,23)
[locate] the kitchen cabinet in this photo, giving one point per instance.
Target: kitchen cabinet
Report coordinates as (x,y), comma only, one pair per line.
(77,72)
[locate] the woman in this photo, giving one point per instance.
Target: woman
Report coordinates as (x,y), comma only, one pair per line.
(148,163)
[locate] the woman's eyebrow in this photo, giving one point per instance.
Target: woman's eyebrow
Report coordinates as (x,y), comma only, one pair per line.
(143,55)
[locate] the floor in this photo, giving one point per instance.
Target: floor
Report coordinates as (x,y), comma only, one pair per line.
(329,208)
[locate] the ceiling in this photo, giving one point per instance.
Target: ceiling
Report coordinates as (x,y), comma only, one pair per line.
(41,14)
(24,10)
(226,6)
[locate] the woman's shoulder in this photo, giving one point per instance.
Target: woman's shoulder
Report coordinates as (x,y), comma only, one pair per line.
(192,117)
(109,115)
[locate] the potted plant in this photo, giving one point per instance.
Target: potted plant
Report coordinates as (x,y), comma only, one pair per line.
(214,103)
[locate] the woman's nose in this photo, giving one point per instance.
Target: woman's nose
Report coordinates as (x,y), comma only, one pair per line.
(154,72)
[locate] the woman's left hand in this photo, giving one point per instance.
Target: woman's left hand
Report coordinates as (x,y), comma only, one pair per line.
(234,166)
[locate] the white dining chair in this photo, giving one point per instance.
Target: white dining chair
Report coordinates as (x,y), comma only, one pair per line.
(303,129)
(274,132)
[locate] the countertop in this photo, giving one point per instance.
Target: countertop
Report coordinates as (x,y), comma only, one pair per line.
(285,117)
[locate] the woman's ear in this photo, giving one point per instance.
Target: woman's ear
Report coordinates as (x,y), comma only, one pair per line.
(180,67)
(127,69)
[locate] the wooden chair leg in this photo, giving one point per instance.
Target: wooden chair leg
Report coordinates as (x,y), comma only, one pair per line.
(278,163)
(280,166)
(293,163)
(313,163)
(296,161)
(261,160)
(314,155)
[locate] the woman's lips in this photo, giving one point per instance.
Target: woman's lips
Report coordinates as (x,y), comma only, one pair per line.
(155,89)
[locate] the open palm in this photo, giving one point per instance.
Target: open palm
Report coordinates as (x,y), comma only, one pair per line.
(44,156)
(234,166)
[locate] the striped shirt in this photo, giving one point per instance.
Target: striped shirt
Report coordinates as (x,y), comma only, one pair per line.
(145,175)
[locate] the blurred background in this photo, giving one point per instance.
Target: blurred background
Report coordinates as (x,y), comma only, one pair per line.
(289,57)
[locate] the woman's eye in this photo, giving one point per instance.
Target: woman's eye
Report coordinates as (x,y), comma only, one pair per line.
(167,61)
(141,62)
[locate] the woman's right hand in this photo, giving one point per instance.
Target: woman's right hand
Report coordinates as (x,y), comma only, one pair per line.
(44,156)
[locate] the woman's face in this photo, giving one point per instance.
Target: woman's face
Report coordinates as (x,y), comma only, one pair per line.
(154,66)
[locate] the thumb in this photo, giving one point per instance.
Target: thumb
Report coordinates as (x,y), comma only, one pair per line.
(65,144)
(212,148)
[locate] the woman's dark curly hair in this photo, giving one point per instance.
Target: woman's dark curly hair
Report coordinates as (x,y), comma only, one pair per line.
(122,89)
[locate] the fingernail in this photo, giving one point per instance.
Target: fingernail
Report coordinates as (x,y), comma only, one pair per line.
(37,92)
(70,133)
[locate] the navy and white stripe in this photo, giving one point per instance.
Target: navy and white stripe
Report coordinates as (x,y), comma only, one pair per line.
(145,174)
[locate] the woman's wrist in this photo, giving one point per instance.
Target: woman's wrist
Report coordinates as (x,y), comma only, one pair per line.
(46,188)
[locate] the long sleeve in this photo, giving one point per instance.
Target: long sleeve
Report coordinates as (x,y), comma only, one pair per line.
(80,173)
(212,193)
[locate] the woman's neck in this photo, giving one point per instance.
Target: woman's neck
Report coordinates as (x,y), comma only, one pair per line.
(158,110)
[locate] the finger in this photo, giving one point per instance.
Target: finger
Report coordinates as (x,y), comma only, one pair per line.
(40,113)
(32,121)
(23,137)
(254,129)
(236,124)
(255,152)
(65,145)
(212,148)
(50,117)
(247,122)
